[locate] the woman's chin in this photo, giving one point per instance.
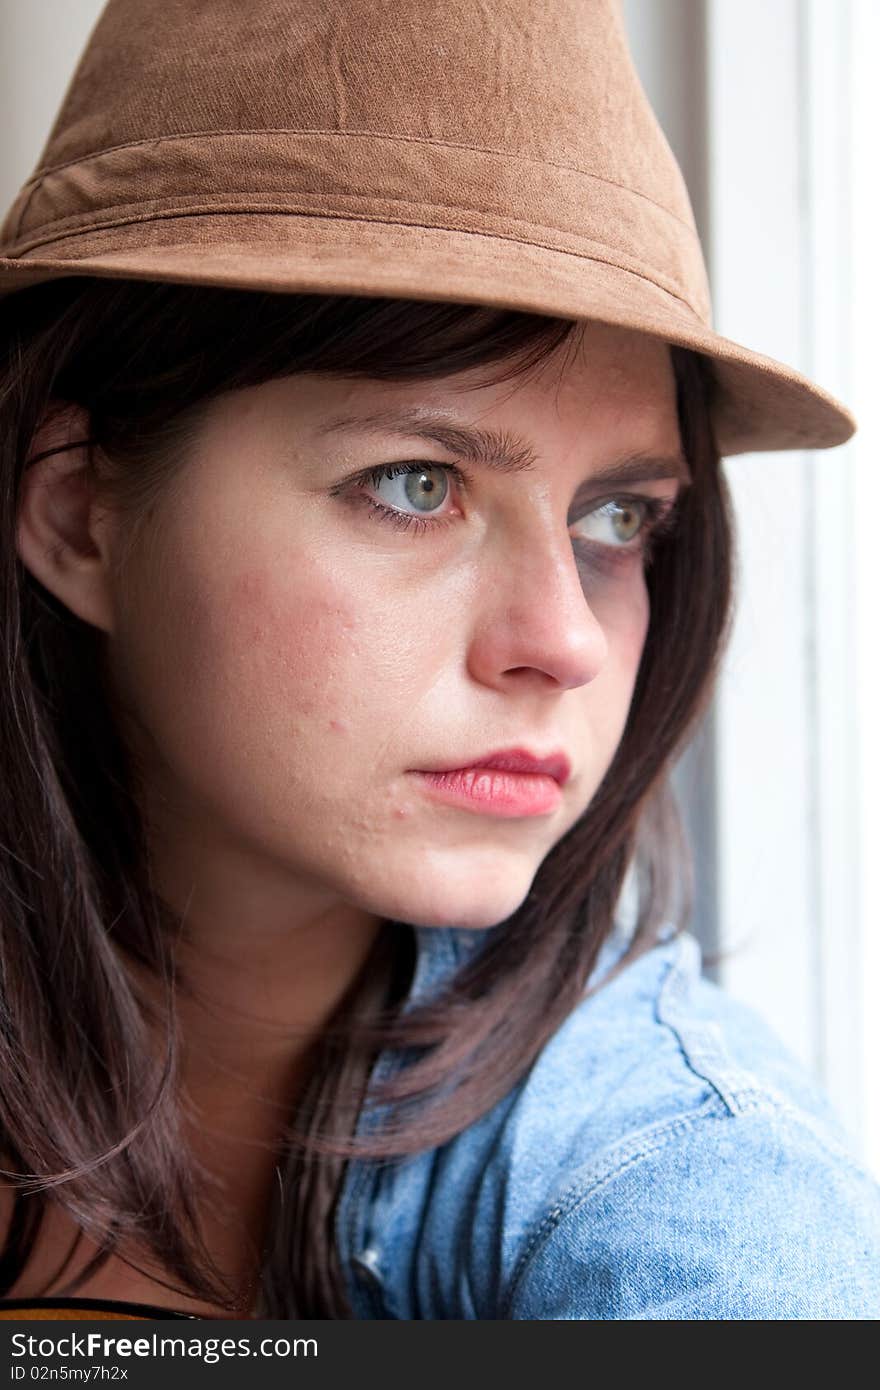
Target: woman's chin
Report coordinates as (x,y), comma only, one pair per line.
(474,907)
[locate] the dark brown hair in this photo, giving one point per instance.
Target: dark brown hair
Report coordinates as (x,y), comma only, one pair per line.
(89,1115)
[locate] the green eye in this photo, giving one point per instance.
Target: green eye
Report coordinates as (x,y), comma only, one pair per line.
(617,522)
(425,489)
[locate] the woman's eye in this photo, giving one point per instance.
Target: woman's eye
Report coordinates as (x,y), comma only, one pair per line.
(406,495)
(424,487)
(617,522)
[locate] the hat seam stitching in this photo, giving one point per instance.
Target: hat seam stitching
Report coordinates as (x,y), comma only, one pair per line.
(42,174)
(286,210)
(343,217)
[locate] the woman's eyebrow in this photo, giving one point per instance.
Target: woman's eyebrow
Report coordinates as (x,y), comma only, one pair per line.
(501,450)
(496,449)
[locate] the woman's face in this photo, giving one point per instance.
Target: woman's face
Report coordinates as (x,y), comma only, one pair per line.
(290,657)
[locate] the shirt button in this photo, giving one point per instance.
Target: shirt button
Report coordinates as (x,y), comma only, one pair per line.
(367,1268)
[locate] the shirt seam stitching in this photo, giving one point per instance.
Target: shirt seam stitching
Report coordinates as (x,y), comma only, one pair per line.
(727,1083)
(756,1100)
(580,1191)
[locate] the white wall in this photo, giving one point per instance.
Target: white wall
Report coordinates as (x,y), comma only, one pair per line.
(858,540)
(40,41)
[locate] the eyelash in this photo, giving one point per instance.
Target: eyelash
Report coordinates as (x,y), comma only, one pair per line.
(660,519)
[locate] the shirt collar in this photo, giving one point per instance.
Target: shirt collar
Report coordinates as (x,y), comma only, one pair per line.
(440,954)
(442,951)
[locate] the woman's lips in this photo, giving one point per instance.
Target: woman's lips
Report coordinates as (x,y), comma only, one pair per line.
(489,791)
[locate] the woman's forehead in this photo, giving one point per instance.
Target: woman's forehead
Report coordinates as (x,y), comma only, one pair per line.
(597,374)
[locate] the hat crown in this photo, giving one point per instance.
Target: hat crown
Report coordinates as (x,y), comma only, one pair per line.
(457,113)
(553,83)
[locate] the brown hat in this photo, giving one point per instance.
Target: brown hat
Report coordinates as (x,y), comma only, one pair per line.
(498,152)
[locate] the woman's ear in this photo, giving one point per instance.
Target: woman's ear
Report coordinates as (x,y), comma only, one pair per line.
(63,537)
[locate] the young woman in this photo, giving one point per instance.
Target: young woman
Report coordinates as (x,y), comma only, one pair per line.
(366,564)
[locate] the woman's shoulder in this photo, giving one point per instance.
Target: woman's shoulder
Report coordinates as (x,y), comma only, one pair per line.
(697,1170)
(664,1158)
(654,1043)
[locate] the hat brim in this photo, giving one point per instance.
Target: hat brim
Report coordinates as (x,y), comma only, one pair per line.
(760,404)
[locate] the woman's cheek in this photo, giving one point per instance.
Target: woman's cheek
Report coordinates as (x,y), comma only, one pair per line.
(621,606)
(297,647)
(624,615)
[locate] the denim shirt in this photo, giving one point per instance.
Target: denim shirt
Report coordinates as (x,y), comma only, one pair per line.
(664,1158)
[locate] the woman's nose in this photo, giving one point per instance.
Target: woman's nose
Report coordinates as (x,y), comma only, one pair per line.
(535,617)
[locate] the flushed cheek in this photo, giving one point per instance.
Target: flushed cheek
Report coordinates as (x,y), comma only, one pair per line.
(299,647)
(242,683)
(326,667)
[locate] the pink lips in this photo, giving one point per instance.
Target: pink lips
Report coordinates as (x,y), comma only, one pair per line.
(510,782)
(555,765)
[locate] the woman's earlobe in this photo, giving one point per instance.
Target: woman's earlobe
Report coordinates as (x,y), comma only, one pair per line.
(62,535)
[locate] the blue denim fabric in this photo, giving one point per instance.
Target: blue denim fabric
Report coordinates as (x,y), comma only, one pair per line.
(664,1158)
